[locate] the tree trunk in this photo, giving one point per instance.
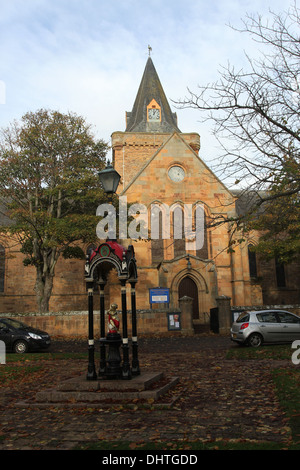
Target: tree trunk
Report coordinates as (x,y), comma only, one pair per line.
(45,268)
(43,289)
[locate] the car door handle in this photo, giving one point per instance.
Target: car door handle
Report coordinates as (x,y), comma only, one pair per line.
(284,326)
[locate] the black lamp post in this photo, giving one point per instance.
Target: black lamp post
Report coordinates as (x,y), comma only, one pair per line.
(109,178)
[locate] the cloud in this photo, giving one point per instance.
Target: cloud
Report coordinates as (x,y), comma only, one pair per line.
(88,56)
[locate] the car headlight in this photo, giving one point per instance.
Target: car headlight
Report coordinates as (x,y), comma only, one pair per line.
(34,336)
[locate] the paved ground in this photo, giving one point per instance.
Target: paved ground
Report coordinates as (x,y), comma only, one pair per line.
(219,399)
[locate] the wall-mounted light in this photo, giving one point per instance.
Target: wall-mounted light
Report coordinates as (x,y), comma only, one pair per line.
(189,264)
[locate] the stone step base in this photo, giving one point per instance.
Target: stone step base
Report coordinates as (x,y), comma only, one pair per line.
(141,390)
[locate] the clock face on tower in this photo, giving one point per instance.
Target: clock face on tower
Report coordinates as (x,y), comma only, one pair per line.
(153,114)
(176,173)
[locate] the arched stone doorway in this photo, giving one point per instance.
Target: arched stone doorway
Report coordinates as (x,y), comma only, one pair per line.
(188,287)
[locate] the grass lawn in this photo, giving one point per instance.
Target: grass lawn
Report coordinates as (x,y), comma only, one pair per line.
(19,367)
(275,352)
(287,382)
(43,356)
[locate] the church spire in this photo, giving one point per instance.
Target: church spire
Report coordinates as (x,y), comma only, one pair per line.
(151,111)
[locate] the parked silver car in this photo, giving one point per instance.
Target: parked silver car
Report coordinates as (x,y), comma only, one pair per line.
(265,326)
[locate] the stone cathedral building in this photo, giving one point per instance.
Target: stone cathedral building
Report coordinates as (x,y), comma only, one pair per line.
(159,165)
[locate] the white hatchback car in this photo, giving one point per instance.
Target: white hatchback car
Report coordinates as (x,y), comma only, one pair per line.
(265,326)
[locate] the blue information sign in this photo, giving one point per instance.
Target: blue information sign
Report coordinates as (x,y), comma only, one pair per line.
(159,296)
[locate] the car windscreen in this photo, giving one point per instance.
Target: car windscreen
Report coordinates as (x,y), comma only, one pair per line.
(243,317)
(15,323)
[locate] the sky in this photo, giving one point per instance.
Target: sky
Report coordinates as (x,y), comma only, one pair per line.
(88,56)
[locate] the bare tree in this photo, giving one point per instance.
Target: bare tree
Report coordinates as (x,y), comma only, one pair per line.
(255,113)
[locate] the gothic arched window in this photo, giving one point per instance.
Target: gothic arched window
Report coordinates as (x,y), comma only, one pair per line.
(203,251)
(178,232)
(157,242)
(252,261)
(280,273)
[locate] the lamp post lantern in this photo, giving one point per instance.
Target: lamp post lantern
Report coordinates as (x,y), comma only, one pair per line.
(109,179)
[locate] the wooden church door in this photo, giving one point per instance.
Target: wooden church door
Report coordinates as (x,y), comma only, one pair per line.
(188,287)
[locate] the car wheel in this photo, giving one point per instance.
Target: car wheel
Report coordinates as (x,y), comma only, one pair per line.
(255,340)
(20,347)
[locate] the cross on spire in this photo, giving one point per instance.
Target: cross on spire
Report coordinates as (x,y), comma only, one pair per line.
(150,50)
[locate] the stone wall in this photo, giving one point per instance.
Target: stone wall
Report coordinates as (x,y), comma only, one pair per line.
(289,308)
(149,322)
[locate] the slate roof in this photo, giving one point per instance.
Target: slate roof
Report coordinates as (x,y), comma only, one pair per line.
(248,199)
(5,221)
(151,88)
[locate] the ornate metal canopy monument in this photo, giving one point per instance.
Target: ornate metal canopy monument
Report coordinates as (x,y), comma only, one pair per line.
(98,265)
